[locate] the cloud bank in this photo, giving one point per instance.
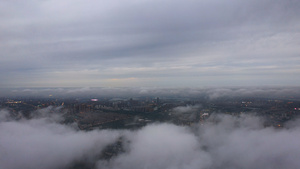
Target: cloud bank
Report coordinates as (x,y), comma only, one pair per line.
(223,142)
(42,142)
(110,92)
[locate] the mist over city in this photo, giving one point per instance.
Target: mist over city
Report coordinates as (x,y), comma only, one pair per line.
(157,128)
(168,84)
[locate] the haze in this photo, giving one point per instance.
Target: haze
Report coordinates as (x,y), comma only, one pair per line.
(225,142)
(159,84)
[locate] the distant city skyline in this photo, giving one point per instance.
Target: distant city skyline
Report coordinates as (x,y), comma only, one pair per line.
(115,43)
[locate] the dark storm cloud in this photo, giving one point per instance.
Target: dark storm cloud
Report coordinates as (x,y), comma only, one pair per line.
(46,42)
(222,142)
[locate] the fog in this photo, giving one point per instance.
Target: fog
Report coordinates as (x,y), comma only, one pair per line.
(42,142)
(204,92)
(223,142)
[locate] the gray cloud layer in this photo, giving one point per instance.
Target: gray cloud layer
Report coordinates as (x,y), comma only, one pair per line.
(149,43)
(223,142)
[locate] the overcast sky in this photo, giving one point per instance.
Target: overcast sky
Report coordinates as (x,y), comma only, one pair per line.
(115,43)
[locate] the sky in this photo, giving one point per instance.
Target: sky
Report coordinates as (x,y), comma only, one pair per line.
(223,142)
(149,43)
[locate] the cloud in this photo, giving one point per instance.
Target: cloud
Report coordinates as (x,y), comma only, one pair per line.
(244,143)
(186,109)
(232,142)
(41,142)
(79,90)
(161,146)
(4,115)
(75,44)
(127,92)
(264,92)
(223,142)
(188,112)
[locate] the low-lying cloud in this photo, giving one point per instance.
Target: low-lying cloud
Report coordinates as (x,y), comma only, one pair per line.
(186,109)
(202,92)
(223,142)
(41,142)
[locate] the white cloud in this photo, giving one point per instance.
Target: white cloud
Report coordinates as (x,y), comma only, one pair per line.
(224,142)
(43,143)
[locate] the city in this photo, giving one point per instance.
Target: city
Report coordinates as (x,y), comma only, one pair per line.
(137,113)
(169,84)
(91,113)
